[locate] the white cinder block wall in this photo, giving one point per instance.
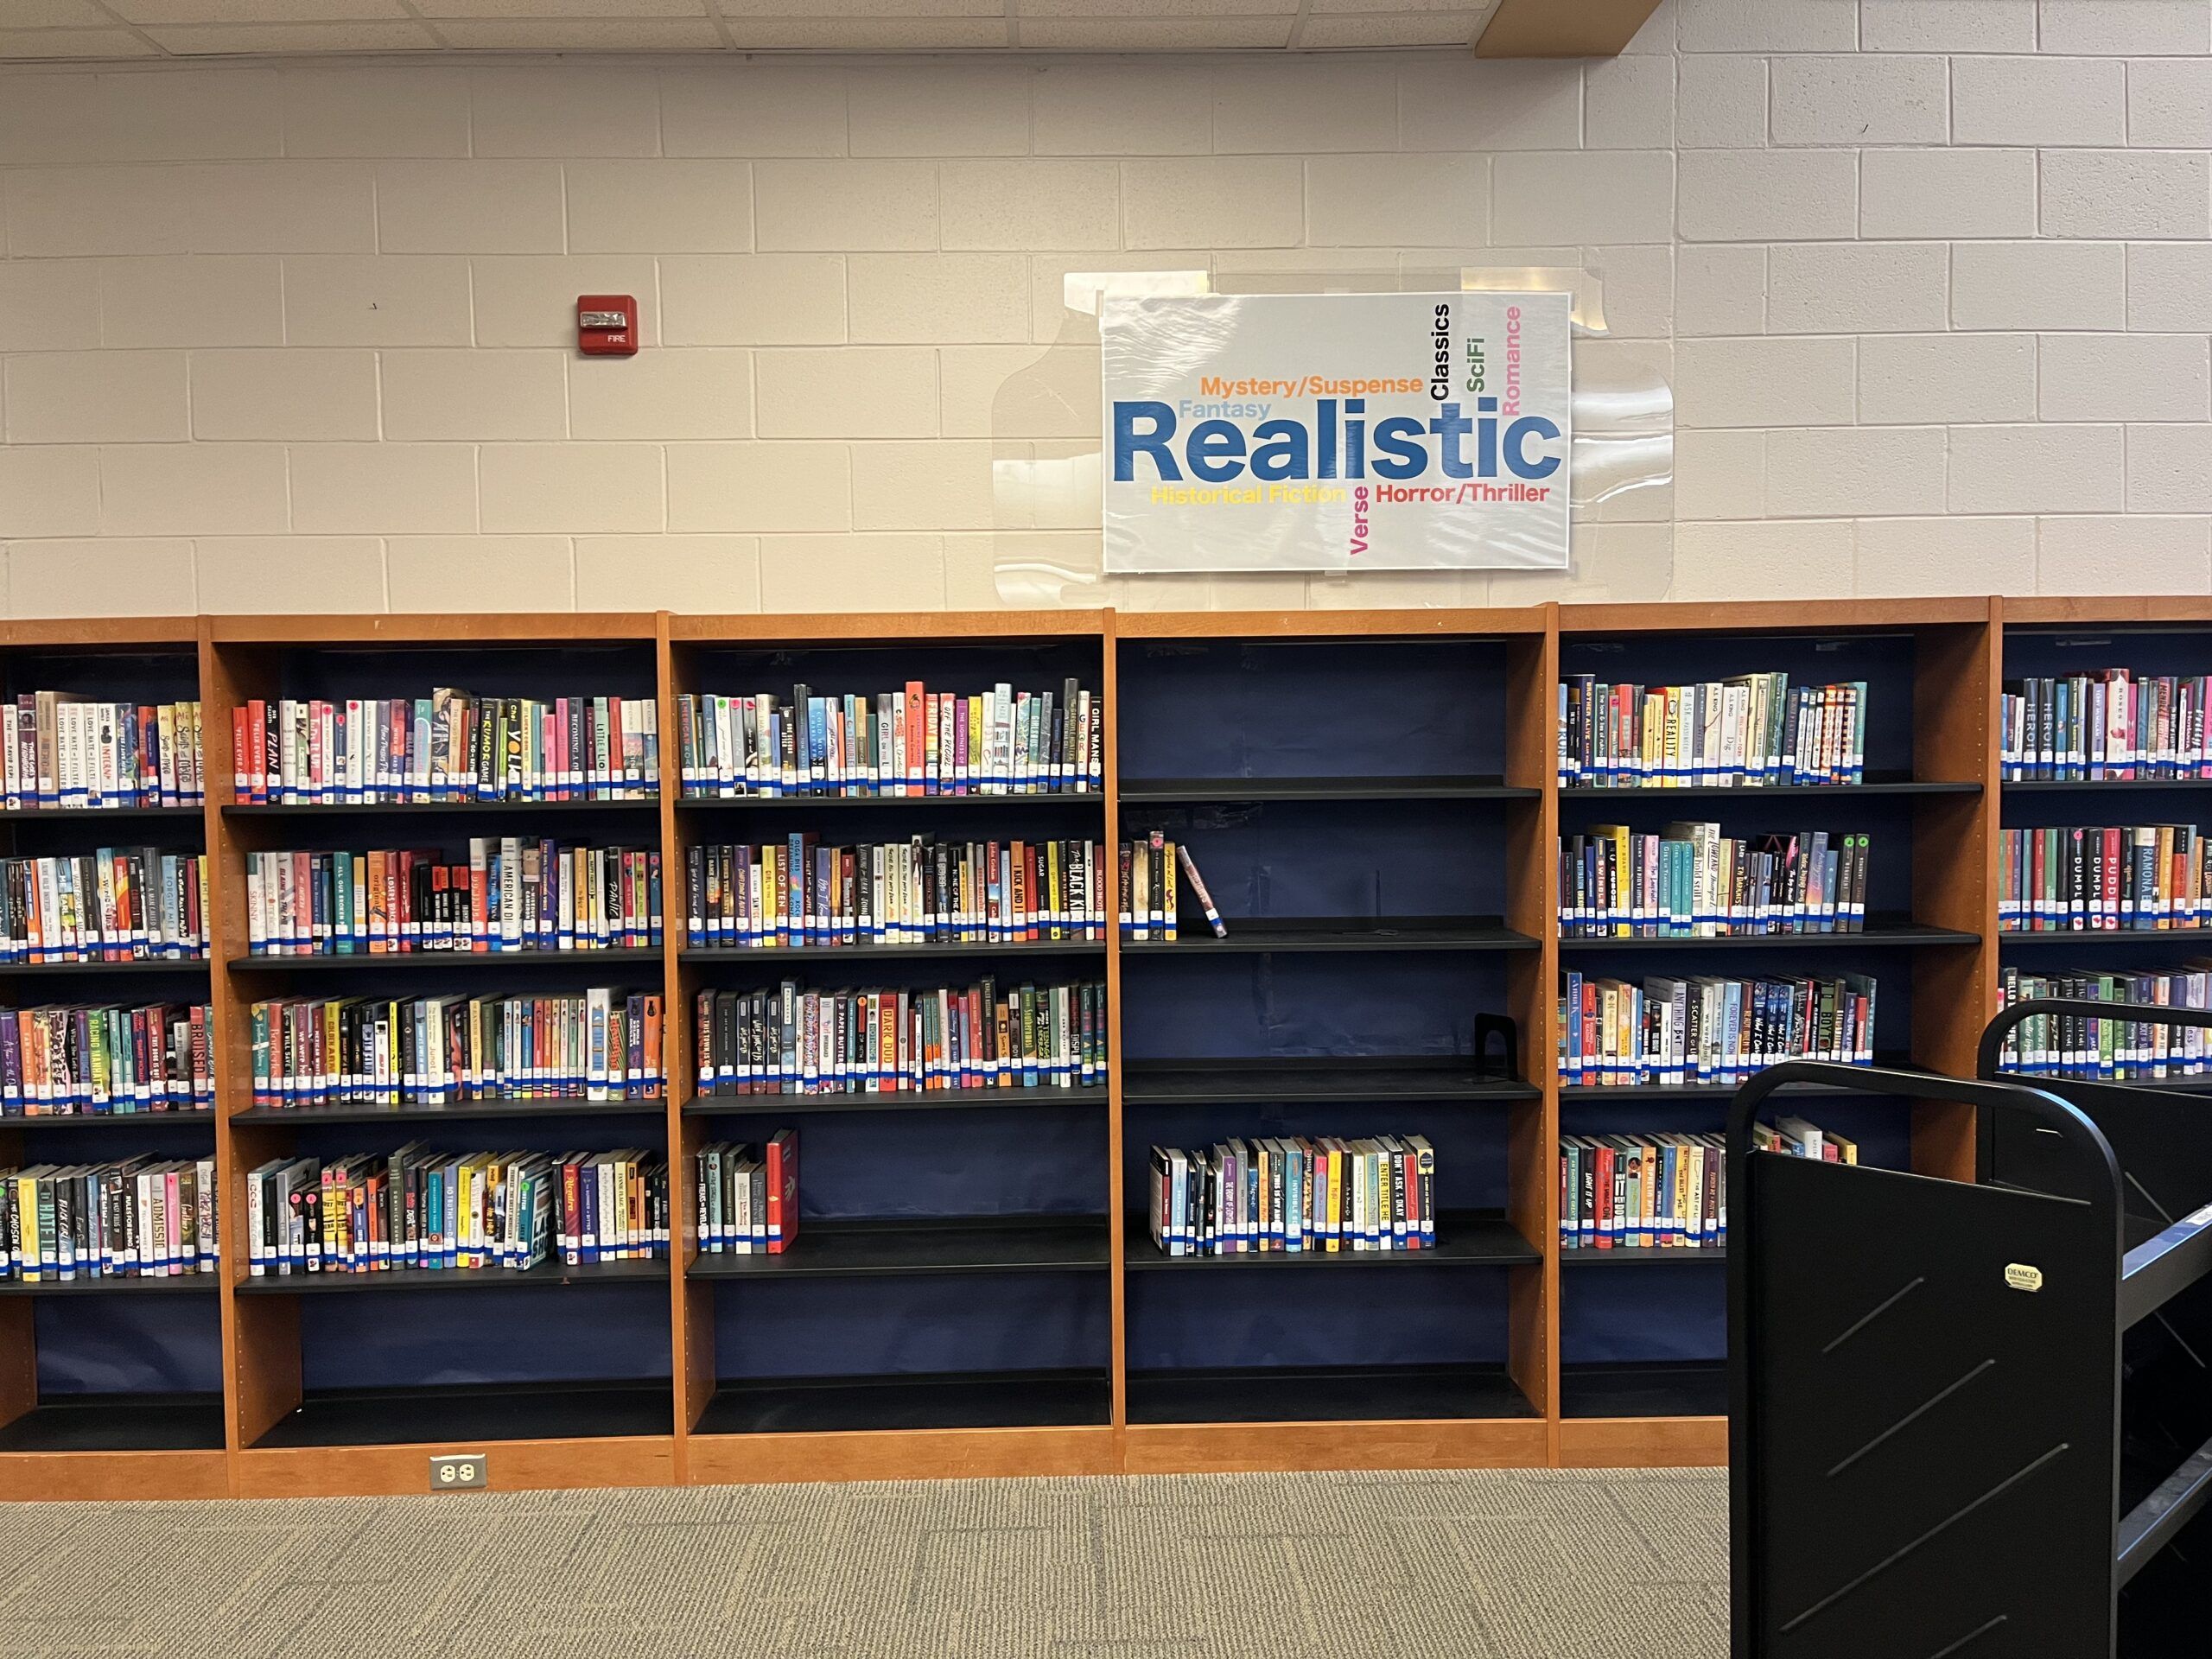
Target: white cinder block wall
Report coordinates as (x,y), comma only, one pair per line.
(1931,282)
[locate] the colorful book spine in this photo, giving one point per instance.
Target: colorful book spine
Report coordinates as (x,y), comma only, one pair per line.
(791,1039)
(135,1218)
(595,1045)
(75,1059)
(1294,1195)
(62,751)
(2110,724)
(1691,881)
(802,891)
(1708,1030)
(898,743)
(506,895)
(1753,731)
(2068,1046)
(115,904)
(452,747)
(2146,878)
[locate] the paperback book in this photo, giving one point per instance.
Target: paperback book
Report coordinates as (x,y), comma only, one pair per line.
(1691,881)
(2145,877)
(905,742)
(117,903)
(67,752)
(1325,1194)
(800,891)
(1708,1029)
(1753,730)
(1666,1191)
(891,1040)
(595,1045)
(2070,1046)
(1152,893)
(747,1195)
(509,893)
(101,1059)
(137,1218)
(450,746)
(415,1208)
(2108,724)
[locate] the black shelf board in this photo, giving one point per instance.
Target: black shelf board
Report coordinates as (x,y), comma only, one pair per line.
(1331,1394)
(2053,786)
(1577,1093)
(101,814)
(1094,799)
(1884,934)
(894,952)
(904,1100)
(2200,1084)
(202,1115)
(1768,791)
(1259,935)
(952,1244)
(1465,1238)
(2102,935)
(455,1111)
(433,809)
(1318,1081)
(149,968)
(118,1422)
(919,1401)
(1436,787)
(546,1276)
(1675,1389)
(417,961)
(486,1411)
(182,1284)
(1669,1256)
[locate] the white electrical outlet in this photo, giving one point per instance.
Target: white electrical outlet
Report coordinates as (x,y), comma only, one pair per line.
(459,1472)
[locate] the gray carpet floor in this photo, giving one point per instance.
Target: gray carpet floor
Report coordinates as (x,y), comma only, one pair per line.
(1422,1566)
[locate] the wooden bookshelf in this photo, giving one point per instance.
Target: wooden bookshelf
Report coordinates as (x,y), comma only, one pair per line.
(732,1396)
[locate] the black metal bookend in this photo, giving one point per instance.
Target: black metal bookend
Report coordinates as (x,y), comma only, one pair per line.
(1508,1035)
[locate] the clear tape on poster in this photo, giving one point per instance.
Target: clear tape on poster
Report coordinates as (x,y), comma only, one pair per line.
(1046,547)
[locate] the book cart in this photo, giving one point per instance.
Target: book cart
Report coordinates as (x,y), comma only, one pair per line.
(1976,1414)
(1372,796)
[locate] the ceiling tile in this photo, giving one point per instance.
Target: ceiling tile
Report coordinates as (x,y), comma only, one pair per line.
(51,13)
(213,38)
(1375,29)
(434,10)
(254,11)
(1152,34)
(1222,10)
(583,33)
(737,10)
(72,43)
(870,34)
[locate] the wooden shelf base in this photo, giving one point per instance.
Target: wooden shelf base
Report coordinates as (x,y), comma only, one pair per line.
(510,1466)
(1644,1443)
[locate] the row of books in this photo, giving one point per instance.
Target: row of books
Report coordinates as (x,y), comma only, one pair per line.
(2103,878)
(800,891)
(901,743)
(2108,723)
(1691,881)
(1707,1029)
(449,746)
(118,903)
(136,1219)
(855,1041)
(747,1195)
(1751,730)
(511,893)
(104,1060)
(63,750)
(1150,902)
(594,1045)
(2070,1046)
(1273,1193)
(418,1208)
(1666,1191)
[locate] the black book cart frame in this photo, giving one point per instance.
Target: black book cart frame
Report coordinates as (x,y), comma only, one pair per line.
(1972,1420)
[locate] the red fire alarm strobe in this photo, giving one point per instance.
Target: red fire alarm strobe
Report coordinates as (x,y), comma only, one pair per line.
(606,325)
